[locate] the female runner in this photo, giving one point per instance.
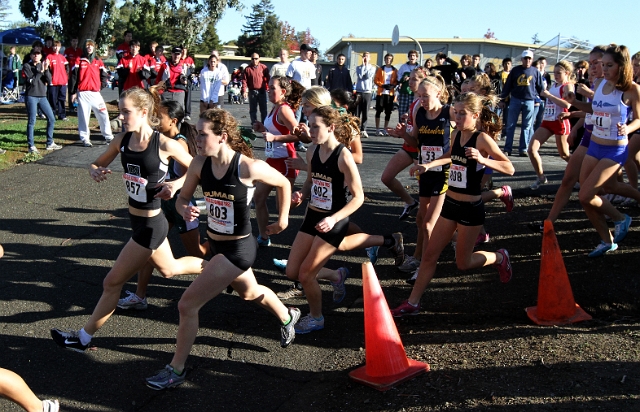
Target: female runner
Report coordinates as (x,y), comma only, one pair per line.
(405,156)
(280,141)
(172,125)
(145,155)
(614,96)
(227,173)
(551,123)
(463,209)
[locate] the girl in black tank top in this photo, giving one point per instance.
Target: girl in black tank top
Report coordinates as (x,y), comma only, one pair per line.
(227,172)
(145,155)
(463,209)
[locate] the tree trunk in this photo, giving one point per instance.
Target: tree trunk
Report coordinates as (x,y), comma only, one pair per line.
(91,22)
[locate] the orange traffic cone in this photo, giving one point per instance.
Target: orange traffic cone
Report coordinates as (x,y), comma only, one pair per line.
(386,361)
(556,305)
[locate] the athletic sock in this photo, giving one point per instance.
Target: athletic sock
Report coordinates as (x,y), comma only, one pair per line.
(318,319)
(389,241)
(176,372)
(287,322)
(85,338)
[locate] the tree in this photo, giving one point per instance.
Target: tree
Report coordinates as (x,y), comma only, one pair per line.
(209,39)
(271,40)
(4,13)
(253,34)
(535,39)
(84,17)
(288,36)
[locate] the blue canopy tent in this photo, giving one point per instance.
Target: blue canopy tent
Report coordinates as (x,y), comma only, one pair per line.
(24,36)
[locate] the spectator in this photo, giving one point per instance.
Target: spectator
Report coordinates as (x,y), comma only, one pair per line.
(210,82)
(314,58)
(302,71)
(339,76)
(280,68)
(224,76)
(38,76)
(507,64)
(364,84)
(256,81)
(57,90)
(386,79)
(447,67)
(475,62)
(405,95)
(155,62)
(123,49)
(14,65)
(132,68)
(428,64)
(541,64)
(48,47)
(523,84)
(71,53)
(187,62)
(174,75)
(89,76)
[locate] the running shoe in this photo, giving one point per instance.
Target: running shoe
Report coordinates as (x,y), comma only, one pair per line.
(409,265)
(408,209)
(309,324)
(405,309)
(280,264)
(50,405)
(398,249)
(132,301)
(87,144)
(379,132)
(53,146)
(621,229)
(68,340)
(339,291)
(617,199)
(264,242)
(603,248)
(507,197)
(482,238)
(288,332)
(504,268)
(412,279)
(372,252)
(536,185)
(33,149)
(300,147)
(364,134)
(628,202)
(385,132)
(108,140)
(165,378)
(292,293)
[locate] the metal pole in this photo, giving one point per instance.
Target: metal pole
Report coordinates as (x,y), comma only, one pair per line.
(558,54)
(419,47)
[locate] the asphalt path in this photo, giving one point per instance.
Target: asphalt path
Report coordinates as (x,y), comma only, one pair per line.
(62,232)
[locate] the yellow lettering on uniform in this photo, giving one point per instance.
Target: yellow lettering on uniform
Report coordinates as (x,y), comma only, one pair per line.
(321,177)
(428,130)
(219,195)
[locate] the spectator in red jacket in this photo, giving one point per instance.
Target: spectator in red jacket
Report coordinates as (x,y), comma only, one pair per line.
(133,68)
(57,90)
(256,81)
(174,74)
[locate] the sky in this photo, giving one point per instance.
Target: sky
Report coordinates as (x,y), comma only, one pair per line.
(329,20)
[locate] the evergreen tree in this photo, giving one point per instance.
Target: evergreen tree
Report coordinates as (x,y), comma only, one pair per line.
(251,40)
(271,40)
(209,39)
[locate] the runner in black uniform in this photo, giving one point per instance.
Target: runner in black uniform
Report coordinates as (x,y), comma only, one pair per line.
(145,155)
(463,209)
(227,173)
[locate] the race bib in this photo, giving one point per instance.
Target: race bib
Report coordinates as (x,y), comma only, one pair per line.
(321,194)
(550,114)
(601,125)
(429,154)
(458,176)
(587,119)
(268,149)
(409,128)
(136,187)
(220,215)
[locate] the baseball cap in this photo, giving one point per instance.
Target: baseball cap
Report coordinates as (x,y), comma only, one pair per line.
(305,47)
(527,53)
(176,49)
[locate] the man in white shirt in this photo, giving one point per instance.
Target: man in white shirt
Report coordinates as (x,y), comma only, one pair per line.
(224,75)
(302,71)
(280,68)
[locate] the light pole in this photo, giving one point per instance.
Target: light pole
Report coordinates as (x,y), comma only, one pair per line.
(395,39)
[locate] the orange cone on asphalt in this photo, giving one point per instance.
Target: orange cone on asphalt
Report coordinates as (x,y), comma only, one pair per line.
(386,361)
(556,305)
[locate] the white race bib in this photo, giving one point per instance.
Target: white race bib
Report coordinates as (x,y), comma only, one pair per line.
(321,194)
(268,149)
(136,187)
(550,114)
(431,153)
(458,176)
(587,119)
(220,215)
(601,125)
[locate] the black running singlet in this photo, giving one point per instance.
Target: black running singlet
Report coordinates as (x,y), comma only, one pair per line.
(327,182)
(143,171)
(434,136)
(465,175)
(227,199)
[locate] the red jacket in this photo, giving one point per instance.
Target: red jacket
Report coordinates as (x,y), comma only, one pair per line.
(88,74)
(256,77)
(132,66)
(58,66)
